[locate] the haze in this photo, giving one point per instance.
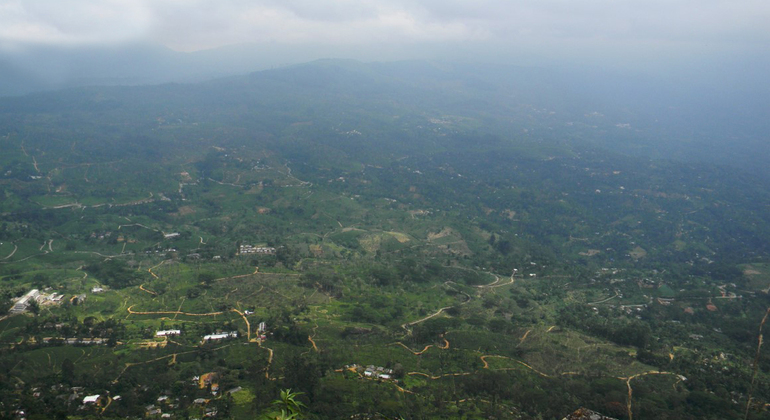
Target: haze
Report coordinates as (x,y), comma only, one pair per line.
(56,43)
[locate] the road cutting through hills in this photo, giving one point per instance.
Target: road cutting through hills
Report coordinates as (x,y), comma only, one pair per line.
(149,270)
(631,391)
(446,343)
(141,287)
(756,362)
(310,339)
(15,248)
(248,325)
(486,365)
(128,365)
(445,375)
(133,312)
(269,361)
(416,353)
(524,337)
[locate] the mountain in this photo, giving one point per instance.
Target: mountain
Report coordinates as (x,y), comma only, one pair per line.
(631,114)
(381,240)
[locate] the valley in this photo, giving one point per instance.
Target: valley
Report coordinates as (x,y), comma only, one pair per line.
(371,247)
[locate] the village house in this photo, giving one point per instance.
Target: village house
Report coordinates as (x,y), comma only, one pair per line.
(55,298)
(220,336)
(378,372)
(166,333)
(248,249)
(92,399)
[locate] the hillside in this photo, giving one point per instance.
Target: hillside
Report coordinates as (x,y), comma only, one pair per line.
(420,240)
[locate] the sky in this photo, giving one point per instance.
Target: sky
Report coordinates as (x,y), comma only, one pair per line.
(622,33)
(190,25)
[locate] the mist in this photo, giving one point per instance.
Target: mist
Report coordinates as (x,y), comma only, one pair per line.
(49,45)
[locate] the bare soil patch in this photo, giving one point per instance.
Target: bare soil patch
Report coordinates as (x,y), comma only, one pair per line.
(185,211)
(638,253)
(589,253)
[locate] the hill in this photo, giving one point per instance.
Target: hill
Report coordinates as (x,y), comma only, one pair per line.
(391,239)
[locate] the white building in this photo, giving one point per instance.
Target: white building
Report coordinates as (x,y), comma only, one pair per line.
(22,304)
(220,336)
(165,333)
(91,399)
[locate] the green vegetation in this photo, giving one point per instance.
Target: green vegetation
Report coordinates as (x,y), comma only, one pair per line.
(409,260)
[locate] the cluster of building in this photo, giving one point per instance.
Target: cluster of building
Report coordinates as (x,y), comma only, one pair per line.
(160,251)
(34,295)
(209,337)
(220,336)
(374,372)
(23,303)
(76,341)
(248,249)
(156,411)
(101,235)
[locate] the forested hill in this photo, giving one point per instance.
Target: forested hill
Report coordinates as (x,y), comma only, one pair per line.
(630,114)
(392,240)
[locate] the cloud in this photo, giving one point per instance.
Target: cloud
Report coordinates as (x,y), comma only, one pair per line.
(199,24)
(73,22)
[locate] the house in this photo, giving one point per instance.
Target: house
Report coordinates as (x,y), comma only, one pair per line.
(208,379)
(170,235)
(77,300)
(55,298)
(166,333)
(220,336)
(97,289)
(248,249)
(92,399)
(586,414)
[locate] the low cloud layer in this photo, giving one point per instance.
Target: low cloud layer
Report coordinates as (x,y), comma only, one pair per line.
(190,25)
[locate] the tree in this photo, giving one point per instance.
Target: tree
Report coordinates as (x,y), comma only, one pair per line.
(34,307)
(287,407)
(206,277)
(67,371)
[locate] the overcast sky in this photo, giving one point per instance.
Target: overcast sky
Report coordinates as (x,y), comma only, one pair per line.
(190,25)
(637,32)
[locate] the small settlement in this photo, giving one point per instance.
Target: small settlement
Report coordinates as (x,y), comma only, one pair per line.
(34,295)
(248,249)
